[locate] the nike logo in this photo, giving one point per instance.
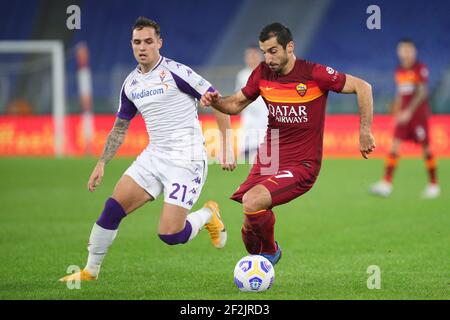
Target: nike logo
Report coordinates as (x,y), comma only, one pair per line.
(285,174)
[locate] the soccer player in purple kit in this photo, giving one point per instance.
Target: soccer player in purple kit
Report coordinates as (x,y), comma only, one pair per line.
(295,92)
(174,163)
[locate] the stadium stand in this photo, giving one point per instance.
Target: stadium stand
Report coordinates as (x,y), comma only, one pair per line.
(345,42)
(325,31)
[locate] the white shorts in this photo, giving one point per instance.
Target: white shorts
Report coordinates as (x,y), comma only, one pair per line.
(181,180)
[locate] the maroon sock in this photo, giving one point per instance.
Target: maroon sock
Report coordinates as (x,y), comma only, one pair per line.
(251,240)
(262,224)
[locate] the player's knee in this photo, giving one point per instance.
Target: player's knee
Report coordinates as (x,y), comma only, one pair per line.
(252,202)
(248,203)
(426,150)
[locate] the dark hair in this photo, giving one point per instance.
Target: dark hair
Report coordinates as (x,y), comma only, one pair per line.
(406,40)
(143,22)
(276,29)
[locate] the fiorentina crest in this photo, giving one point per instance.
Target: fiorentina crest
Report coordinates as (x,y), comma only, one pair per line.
(162,75)
(301,89)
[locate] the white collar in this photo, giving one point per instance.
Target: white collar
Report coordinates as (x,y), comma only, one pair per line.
(156,66)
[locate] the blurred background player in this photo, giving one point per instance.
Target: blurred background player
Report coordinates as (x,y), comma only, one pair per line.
(254,116)
(164,92)
(411,111)
(296,92)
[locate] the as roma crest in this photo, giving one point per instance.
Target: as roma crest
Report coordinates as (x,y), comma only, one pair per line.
(301,89)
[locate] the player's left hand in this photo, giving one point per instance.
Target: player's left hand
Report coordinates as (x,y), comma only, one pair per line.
(227,159)
(209,98)
(403,116)
(366,143)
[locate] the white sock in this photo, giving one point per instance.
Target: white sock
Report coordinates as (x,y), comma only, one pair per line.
(197,220)
(99,242)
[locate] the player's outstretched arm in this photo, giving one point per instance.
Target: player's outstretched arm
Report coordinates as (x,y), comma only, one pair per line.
(363,92)
(113,142)
(230,105)
(226,156)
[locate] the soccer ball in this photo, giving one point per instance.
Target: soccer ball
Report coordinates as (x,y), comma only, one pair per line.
(254,273)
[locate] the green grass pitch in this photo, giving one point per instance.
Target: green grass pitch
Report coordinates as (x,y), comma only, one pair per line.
(329,237)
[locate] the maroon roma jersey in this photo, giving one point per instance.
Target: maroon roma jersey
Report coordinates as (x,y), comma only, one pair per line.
(296,103)
(407,80)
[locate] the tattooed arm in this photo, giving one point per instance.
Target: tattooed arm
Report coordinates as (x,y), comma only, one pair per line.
(113,142)
(115,139)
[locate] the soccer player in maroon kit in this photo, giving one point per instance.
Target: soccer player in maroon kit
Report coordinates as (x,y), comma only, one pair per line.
(295,92)
(411,111)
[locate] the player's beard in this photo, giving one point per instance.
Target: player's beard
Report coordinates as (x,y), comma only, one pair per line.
(282,64)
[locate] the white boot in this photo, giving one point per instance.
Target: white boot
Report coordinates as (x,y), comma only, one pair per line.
(381,188)
(431,191)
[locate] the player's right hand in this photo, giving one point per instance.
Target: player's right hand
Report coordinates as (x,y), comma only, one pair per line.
(96,176)
(209,98)
(403,117)
(366,143)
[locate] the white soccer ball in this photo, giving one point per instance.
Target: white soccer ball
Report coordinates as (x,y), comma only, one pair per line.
(254,273)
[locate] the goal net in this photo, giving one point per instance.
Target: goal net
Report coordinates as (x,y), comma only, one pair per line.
(32,81)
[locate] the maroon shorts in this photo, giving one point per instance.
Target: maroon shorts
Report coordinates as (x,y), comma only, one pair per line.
(415,130)
(287,184)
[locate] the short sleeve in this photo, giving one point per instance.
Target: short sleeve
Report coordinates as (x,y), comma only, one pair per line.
(251,90)
(188,81)
(422,73)
(328,78)
(127,109)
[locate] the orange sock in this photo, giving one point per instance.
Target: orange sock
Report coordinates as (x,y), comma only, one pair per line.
(390,166)
(430,164)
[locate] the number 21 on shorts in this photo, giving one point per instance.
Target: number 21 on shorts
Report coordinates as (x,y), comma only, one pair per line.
(173,194)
